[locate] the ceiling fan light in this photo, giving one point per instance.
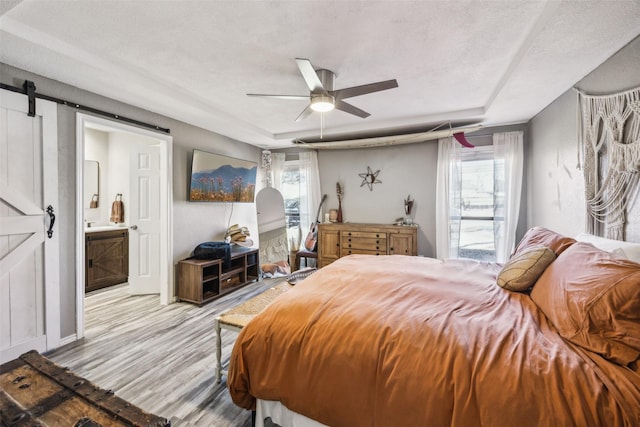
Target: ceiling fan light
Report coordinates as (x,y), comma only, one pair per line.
(322,103)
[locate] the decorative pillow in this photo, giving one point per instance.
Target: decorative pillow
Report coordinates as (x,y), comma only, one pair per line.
(523,269)
(593,300)
(628,250)
(540,236)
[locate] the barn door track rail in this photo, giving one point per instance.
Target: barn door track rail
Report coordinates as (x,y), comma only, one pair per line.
(29,89)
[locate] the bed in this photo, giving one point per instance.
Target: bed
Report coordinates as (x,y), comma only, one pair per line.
(413,341)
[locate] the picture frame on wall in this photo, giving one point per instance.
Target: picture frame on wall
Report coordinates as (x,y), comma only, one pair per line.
(218,178)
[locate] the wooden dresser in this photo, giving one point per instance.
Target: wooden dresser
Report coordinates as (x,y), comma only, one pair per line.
(336,240)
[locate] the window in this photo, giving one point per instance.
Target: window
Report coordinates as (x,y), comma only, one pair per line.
(299,182)
(290,188)
(481,181)
(292,191)
(478,198)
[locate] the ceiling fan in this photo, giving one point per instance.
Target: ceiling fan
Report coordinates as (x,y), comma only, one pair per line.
(323,97)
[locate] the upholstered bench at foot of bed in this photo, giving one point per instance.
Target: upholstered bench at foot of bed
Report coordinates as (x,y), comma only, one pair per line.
(237,318)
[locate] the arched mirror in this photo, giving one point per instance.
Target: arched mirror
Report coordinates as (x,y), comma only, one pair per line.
(272,231)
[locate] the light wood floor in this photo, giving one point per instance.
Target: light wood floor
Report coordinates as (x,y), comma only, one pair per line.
(159,358)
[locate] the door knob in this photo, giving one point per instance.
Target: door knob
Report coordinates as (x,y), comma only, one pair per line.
(134,227)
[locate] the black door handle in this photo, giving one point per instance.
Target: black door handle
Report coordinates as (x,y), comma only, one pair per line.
(52,220)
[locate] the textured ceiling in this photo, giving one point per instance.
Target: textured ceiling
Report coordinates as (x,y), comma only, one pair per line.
(494,62)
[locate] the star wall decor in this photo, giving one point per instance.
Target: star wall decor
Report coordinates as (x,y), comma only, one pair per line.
(369,178)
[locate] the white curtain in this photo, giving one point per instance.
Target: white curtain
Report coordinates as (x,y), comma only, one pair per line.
(507,148)
(448,189)
(277,168)
(310,193)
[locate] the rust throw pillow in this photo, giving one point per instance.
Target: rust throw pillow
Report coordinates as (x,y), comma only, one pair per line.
(521,272)
(593,300)
(540,236)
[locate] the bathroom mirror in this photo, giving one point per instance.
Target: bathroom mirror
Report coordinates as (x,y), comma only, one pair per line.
(91,184)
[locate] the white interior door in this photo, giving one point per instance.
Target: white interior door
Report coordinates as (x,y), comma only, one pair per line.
(145,220)
(29,263)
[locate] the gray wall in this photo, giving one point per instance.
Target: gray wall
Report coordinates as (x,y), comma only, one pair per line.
(192,222)
(555,185)
(404,170)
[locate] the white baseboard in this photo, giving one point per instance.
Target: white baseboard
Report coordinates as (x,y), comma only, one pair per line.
(68,340)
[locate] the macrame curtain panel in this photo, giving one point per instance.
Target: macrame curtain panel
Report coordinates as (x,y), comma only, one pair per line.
(610,139)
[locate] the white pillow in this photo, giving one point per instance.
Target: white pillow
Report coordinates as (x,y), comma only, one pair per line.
(628,250)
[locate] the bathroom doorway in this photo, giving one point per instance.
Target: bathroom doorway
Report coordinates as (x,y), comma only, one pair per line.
(133,175)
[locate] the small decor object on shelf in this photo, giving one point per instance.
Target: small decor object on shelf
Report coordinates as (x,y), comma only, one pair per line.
(339,193)
(408,205)
(369,178)
(238,235)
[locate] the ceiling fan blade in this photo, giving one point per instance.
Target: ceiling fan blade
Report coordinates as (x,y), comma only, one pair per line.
(310,76)
(280,96)
(348,108)
(364,89)
(305,113)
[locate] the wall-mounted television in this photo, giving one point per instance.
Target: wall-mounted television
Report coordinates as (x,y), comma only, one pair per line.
(217,178)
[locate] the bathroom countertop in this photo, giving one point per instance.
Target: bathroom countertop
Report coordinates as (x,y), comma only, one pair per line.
(96,228)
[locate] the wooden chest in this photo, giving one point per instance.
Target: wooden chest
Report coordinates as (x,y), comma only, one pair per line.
(34,391)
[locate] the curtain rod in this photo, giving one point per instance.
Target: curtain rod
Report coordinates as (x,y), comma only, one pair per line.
(29,89)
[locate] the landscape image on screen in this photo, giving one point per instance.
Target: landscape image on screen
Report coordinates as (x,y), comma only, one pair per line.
(217,178)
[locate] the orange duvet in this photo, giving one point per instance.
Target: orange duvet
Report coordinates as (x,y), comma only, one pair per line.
(412,341)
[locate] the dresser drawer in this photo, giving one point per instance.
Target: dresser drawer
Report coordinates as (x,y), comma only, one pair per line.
(371,244)
(364,234)
(347,251)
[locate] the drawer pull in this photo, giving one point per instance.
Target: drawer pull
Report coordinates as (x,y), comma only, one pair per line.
(52,220)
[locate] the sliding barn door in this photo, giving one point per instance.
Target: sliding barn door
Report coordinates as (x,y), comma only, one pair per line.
(29,266)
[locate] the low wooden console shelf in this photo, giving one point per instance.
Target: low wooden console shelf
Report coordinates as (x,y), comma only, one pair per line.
(201,281)
(336,240)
